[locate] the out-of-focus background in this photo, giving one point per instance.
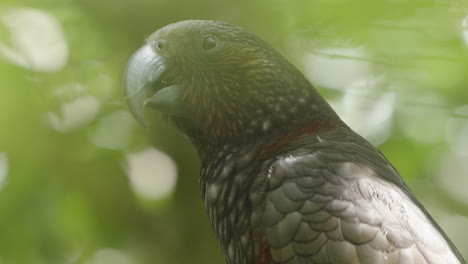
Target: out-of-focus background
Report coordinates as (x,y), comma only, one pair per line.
(82,182)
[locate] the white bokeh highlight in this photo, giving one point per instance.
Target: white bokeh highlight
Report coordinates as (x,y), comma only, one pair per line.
(113,131)
(367,110)
(152,173)
(457,131)
(3,168)
(110,256)
(465,29)
(36,40)
(336,68)
(74,114)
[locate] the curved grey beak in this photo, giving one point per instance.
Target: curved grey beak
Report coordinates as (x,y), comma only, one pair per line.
(144,69)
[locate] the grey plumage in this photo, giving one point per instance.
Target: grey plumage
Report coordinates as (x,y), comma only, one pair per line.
(332,205)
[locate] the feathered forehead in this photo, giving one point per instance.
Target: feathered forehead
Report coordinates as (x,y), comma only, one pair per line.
(191,28)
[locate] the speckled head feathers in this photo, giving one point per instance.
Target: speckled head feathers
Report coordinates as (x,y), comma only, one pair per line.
(235,84)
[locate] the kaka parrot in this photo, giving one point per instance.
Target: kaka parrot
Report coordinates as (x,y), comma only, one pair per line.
(283,178)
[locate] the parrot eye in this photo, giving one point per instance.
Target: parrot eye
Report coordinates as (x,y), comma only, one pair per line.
(209,43)
(160,44)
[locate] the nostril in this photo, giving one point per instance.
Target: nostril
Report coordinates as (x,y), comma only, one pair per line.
(160,44)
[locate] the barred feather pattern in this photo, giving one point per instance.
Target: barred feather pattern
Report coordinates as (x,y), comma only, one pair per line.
(226,183)
(330,197)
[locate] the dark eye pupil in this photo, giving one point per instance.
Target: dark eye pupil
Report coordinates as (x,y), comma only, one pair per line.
(209,43)
(160,44)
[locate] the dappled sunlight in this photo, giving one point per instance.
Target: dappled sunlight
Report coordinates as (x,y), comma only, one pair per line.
(110,256)
(457,131)
(3,168)
(35,40)
(74,114)
(82,182)
(336,68)
(453,175)
(367,110)
(423,118)
(152,173)
(465,29)
(113,131)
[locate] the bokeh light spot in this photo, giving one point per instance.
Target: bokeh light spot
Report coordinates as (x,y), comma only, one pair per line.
(113,131)
(110,256)
(36,40)
(457,131)
(336,68)
(3,168)
(152,173)
(465,29)
(367,110)
(75,114)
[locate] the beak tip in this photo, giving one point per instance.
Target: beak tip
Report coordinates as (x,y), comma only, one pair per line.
(143,123)
(139,115)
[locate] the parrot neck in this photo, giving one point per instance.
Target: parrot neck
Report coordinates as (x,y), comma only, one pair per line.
(282,115)
(227,176)
(285,141)
(266,145)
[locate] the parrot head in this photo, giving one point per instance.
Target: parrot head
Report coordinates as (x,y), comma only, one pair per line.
(217,81)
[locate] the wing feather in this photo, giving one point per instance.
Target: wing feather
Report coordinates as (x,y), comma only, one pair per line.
(322,208)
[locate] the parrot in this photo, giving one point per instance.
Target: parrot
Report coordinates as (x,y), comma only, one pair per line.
(284,180)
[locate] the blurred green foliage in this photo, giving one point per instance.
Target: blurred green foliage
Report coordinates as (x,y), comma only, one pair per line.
(66,199)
